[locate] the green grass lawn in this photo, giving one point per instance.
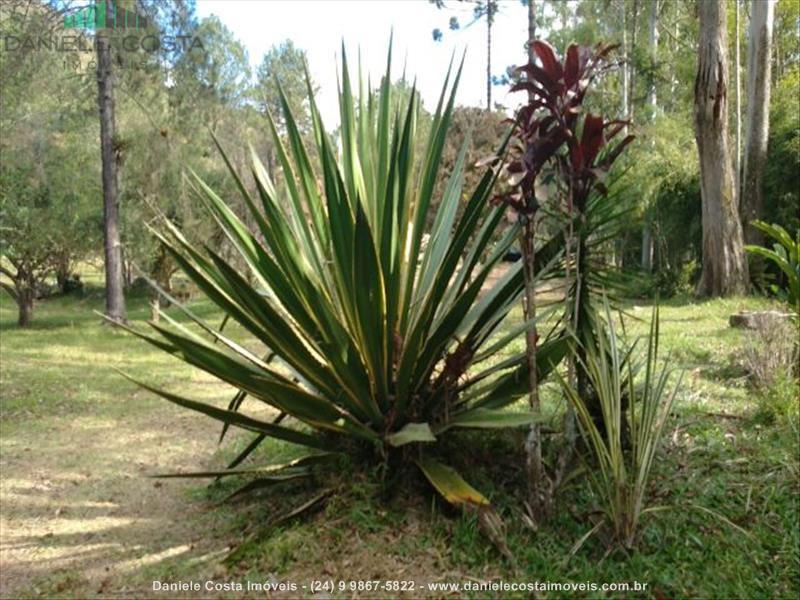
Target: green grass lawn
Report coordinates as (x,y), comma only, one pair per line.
(79,517)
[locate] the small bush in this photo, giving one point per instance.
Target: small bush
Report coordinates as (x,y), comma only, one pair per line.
(620,475)
(770,353)
(785,257)
(73,285)
(779,401)
(678,280)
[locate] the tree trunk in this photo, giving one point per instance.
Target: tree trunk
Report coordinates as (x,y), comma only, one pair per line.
(531,35)
(539,488)
(647,246)
(738,61)
(155,308)
(632,76)
(674,67)
(779,71)
(724,264)
(539,491)
(652,48)
(26,295)
(625,67)
(489,18)
(62,274)
(115,299)
(25,302)
(652,101)
(759,53)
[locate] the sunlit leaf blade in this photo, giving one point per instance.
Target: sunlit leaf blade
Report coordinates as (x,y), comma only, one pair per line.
(296,464)
(238,420)
(412,432)
(450,484)
(485,418)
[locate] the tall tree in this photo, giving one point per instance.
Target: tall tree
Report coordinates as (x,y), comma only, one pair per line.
(759,54)
(531,31)
(284,63)
(215,77)
(724,264)
(652,50)
(625,70)
(488,9)
(631,59)
(652,101)
(115,297)
(738,116)
(482,9)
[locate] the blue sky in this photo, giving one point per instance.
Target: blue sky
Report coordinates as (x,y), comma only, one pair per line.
(318,27)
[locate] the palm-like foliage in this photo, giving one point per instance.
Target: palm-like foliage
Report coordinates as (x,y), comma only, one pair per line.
(555,135)
(785,255)
(368,331)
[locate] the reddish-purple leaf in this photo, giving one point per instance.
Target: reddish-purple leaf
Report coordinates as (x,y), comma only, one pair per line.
(547,55)
(571,66)
(576,157)
(527,86)
(592,138)
(551,86)
(611,156)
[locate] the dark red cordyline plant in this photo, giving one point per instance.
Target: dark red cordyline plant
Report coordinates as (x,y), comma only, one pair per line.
(552,120)
(553,131)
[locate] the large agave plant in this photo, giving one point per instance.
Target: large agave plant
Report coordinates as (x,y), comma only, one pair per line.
(367,333)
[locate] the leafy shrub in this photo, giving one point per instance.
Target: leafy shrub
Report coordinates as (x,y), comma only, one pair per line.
(782,171)
(779,400)
(73,284)
(785,255)
(670,281)
(556,139)
(366,341)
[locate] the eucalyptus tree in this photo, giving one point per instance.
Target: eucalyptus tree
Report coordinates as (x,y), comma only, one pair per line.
(724,264)
(481,9)
(759,82)
(652,102)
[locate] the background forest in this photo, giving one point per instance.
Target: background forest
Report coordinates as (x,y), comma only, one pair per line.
(169,100)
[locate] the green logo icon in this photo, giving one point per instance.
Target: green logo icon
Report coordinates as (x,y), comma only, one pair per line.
(104,14)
